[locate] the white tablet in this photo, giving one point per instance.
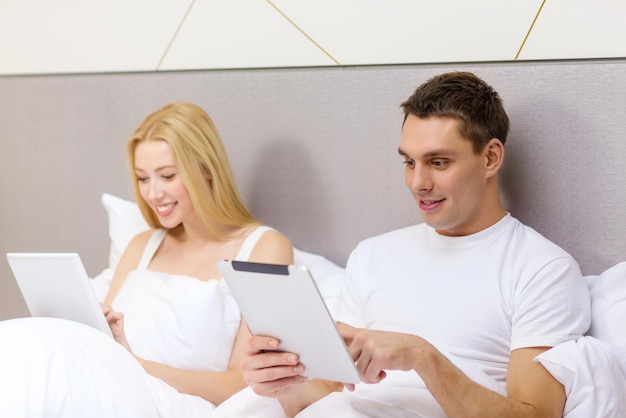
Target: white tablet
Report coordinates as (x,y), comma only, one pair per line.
(283,302)
(56,285)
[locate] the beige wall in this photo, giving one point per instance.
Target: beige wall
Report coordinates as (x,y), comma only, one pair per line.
(314,152)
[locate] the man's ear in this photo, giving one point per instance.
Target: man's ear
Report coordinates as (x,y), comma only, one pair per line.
(494,156)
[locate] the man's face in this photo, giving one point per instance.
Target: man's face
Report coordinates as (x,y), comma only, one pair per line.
(447,179)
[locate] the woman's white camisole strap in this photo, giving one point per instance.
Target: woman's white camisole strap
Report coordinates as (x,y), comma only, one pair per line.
(250,242)
(151,247)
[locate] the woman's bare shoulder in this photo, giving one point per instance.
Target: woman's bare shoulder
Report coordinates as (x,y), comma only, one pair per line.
(141,239)
(128,261)
(273,247)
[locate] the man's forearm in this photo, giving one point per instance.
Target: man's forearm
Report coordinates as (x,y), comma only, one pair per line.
(461,397)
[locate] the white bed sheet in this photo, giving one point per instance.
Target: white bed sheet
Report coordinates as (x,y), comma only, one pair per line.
(594,384)
(44,373)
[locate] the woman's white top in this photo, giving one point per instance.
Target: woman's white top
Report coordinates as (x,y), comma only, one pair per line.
(180,320)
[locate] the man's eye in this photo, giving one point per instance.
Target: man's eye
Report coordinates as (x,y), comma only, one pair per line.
(439,163)
(408,163)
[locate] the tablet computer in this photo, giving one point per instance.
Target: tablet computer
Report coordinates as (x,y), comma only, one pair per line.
(56,285)
(284,302)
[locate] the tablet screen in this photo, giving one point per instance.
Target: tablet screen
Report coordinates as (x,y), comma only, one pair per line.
(56,285)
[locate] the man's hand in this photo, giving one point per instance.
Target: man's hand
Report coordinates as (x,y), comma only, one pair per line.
(532,391)
(377,351)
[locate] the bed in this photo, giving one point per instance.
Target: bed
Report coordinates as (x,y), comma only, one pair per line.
(592,368)
(314,152)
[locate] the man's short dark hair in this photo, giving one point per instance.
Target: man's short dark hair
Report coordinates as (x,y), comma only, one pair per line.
(464,96)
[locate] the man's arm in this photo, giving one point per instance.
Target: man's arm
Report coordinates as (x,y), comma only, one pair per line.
(531,390)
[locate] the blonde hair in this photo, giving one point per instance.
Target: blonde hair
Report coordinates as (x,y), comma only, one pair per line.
(201,161)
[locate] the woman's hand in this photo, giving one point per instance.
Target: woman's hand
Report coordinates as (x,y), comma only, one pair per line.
(116,323)
(270,372)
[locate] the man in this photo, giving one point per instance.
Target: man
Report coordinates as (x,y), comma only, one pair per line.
(457,307)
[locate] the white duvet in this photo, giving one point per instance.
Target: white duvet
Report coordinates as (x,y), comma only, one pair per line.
(48,370)
(593,382)
(47,365)
(52,368)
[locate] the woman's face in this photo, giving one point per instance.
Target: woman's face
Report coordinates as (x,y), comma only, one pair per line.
(160,184)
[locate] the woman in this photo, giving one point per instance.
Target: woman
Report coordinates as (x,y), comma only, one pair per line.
(167,304)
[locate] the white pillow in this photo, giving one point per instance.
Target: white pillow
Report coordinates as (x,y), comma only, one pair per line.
(593,381)
(327,275)
(608,310)
(125,221)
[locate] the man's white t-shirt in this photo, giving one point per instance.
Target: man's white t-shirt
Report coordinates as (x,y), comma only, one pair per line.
(476,297)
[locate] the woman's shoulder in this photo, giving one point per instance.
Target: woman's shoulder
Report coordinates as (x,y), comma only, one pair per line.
(140,240)
(129,260)
(272,247)
(138,244)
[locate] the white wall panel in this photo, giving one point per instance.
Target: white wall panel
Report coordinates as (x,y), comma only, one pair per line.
(410,31)
(39,36)
(239,33)
(85,36)
(578,29)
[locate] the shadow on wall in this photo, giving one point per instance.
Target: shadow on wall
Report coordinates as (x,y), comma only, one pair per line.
(545,179)
(297,210)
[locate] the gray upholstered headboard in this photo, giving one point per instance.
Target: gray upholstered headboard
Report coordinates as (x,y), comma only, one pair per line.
(314,153)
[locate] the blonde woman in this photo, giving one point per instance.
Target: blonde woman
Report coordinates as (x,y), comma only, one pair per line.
(167,306)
